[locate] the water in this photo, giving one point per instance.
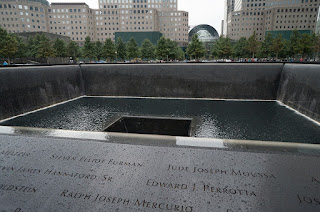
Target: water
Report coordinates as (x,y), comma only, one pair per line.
(247,120)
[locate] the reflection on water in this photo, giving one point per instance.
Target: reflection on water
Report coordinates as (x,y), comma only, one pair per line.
(250,120)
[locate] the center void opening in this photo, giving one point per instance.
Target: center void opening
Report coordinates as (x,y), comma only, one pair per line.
(151,125)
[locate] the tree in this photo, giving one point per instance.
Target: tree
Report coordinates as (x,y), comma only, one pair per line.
(88,49)
(109,50)
(222,48)
(306,45)
(266,50)
(240,48)
(180,54)
(132,48)
(161,49)
(173,49)
(195,48)
(253,45)
(98,48)
(73,50)
(295,44)
(277,45)
(8,45)
(60,49)
(31,48)
(316,47)
(147,49)
(121,49)
(43,48)
(22,52)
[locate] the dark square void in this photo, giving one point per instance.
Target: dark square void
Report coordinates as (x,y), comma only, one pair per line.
(151,125)
(245,120)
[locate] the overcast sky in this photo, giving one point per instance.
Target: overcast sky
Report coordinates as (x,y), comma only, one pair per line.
(200,11)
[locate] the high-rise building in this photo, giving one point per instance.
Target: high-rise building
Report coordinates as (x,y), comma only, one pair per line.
(141,16)
(24,15)
(263,16)
(77,20)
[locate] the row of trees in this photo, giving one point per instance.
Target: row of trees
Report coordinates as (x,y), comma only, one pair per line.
(165,49)
(37,47)
(298,46)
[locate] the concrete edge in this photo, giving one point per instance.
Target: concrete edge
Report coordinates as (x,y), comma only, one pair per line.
(167,141)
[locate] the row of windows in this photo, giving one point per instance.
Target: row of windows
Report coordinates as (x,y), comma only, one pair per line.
(290,2)
(24,26)
(297,10)
(138,6)
(13,6)
(66,16)
(137,1)
(69,22)
(293,27)
(69,10)
(64,27)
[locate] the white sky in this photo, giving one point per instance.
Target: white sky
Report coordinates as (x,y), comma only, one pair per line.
(200,11)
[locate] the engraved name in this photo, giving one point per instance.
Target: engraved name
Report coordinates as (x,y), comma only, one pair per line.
(14,153)
(227,190)
(16,188)
(308,200)
(212,171)
(138,203)
(58,173)
(168,185)
(84,159)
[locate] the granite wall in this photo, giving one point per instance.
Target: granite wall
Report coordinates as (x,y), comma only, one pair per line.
(29,88)
(300,89)
(232,81)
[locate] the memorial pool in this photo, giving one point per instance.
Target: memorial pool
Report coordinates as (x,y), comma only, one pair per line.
(222,119)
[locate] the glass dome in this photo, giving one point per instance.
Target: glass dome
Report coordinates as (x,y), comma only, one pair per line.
(206,33)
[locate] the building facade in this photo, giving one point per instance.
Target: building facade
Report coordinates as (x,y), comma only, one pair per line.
(263,16)
(24,15)
(78,21)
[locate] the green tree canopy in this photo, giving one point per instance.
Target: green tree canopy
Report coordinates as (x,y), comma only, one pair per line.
(222,48)
(8,45)
(295,44)
(173,49)
(98,48)
(195,48)
(253,44)
(277,45)
(88,49)
(73,50)
(109,50)
(43,47)
(161,50)
(60,48)
(132,48)
(266,49)
(147,49)
(240,48)
(121,49)
(180,54)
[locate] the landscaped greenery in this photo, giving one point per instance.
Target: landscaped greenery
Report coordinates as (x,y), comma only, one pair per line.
(40,48)
(305,46)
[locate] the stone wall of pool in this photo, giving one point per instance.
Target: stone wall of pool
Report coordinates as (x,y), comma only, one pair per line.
(24,89)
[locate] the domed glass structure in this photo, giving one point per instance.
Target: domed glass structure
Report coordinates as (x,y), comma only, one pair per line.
(206,33)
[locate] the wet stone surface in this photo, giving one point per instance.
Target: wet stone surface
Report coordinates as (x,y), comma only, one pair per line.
(244,120)
(46,174)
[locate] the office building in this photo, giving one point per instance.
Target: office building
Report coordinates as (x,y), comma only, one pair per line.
(78,20)
(275,16)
